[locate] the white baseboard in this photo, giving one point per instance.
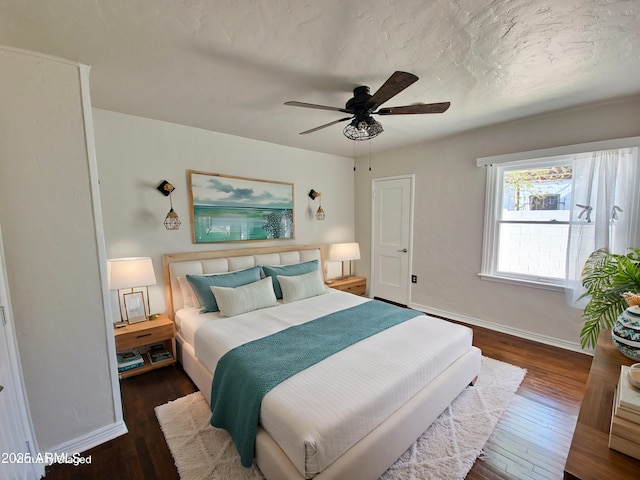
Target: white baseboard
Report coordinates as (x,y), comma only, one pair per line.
(535,337)
(92,439)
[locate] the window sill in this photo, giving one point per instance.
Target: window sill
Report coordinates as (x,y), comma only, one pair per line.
(522,282)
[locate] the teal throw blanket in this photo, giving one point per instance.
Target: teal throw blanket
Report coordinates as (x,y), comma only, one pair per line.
(247,373)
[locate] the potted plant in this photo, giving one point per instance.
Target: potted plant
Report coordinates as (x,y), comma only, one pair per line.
(606,277)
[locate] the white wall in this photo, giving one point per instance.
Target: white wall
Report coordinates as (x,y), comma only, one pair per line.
(135,154)
(449,213)
(54,252)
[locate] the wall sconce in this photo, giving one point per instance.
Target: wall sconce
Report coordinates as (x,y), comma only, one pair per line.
(171,222)
(320,212)
(130,273)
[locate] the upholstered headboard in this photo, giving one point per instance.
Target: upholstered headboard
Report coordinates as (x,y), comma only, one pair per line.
(222,261)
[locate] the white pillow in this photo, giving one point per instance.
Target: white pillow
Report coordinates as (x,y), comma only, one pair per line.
(246,298)
(302,286)
(188,298)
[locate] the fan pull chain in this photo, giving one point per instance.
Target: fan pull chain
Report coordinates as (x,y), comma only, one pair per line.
(354,155)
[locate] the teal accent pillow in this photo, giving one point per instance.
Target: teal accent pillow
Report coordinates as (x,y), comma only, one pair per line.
(288,271)
(201,285)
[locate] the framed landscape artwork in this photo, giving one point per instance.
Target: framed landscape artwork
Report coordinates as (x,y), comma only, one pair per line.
(234,209)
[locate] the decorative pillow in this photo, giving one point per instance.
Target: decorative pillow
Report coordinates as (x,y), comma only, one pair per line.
(288,271)
(302,286)
(234,301)
(201,285)
(188,297)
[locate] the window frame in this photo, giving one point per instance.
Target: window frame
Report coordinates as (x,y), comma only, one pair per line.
(493,220)
(525,159)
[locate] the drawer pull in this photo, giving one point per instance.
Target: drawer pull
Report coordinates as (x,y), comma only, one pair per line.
(144,335)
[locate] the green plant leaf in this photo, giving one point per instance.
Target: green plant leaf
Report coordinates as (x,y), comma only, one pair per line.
(606,276)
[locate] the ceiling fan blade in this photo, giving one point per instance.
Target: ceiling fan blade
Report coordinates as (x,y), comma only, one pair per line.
(396,83)
(313,105)
(415,109)
(326,125)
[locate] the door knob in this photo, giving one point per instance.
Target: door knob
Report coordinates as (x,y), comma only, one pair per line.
(404,250)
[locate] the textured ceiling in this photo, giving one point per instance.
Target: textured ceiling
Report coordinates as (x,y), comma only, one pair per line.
(229,65)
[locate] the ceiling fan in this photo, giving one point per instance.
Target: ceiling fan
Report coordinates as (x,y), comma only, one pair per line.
(363,126)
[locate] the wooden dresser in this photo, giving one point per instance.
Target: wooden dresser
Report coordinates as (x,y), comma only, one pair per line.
(590,456)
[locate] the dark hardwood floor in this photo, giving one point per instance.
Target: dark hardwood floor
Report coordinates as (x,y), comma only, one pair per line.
(142,453)
(533,437)
(530,441)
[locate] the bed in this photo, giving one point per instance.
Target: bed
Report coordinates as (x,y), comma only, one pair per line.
(349,416)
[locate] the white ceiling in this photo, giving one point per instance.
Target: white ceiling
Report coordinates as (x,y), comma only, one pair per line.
(229,65)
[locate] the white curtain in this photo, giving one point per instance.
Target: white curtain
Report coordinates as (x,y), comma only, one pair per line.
(605,209)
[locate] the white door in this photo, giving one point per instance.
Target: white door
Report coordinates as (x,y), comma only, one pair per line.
(16,441)
(392,225)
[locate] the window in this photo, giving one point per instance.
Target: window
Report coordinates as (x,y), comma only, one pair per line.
(531,220)
(540,205)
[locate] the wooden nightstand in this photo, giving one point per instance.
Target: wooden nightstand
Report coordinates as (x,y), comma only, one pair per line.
(141,336)
(355,285)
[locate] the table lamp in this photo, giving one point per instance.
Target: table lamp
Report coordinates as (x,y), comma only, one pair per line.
(131,273)
(344,252)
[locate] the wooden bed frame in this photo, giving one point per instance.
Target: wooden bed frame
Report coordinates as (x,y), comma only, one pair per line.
(374,454)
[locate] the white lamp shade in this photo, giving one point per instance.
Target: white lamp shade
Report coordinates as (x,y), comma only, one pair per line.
(130,272)
(342,252)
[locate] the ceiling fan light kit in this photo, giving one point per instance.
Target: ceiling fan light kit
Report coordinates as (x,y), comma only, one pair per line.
(363,126)
(363,129)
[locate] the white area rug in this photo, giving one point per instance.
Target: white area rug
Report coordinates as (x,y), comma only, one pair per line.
(447,450)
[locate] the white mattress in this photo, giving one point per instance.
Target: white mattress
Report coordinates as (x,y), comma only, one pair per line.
(188,320)
(318,414)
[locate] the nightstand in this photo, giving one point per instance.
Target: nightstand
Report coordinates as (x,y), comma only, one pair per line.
(355,285)
(143,335)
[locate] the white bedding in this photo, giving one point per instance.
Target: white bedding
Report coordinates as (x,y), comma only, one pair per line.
(319,413)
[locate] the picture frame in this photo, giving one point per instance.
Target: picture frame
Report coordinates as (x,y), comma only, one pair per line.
(225,208)
(135,307)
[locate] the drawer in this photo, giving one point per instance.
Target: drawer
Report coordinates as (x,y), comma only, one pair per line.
(356,289)
(138,338)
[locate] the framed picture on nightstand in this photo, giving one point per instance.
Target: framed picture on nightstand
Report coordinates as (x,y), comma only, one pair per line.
(134,306)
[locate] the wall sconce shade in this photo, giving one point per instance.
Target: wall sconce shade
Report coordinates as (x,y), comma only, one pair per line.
(129,273)
(171,221)
(344,252)
(320,212)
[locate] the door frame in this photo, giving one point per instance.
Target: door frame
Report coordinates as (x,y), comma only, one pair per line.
(31,469)
(412,181)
